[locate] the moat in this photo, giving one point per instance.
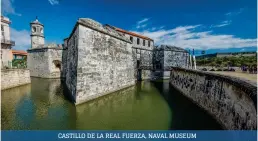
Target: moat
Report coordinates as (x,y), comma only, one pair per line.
(42,105)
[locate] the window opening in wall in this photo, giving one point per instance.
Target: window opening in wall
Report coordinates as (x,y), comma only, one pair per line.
(149,43)
(131,39)
(143,42)
(57,64)
(34,29)
(138,41)
(2,29)
(138,63)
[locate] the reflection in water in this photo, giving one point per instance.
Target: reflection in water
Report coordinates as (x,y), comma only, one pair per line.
(139,107)
(186,115)
(42,105)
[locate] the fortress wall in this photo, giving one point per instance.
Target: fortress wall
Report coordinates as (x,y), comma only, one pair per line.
(145,57)
(104,61)
(175,59)
(14,77)
(37,63)
(146,62)
(71,63)
(64,59)
(165,59)
(41,62)
(230,100)
(55,67)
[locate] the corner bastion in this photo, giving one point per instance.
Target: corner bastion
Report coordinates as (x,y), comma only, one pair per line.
(99,61)
(45,61)
(231,101)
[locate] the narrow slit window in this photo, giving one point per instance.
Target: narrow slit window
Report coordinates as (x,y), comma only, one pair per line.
(131,39)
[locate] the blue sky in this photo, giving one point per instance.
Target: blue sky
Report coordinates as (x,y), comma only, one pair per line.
(212,25)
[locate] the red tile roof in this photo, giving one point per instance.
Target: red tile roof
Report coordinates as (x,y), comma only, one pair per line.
(131,33)
(20,52)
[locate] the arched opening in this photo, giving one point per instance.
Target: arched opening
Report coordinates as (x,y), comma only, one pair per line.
(33,29)
(57,64)
(41,30)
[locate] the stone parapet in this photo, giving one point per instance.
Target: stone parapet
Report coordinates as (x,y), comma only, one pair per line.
(230,100)
(14,77)
(89,23)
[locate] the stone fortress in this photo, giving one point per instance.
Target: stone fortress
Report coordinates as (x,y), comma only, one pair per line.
(43,60)
(99,59)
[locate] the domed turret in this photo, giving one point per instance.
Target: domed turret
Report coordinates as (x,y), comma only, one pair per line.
(37,34)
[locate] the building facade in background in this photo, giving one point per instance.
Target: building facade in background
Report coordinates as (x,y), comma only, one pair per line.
(6,43)
(19,54)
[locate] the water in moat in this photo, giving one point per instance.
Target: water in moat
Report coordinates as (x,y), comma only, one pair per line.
(42,105)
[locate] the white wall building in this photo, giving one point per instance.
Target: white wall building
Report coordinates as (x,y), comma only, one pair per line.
(6,43)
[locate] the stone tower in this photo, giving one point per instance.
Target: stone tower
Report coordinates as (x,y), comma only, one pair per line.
(37,34)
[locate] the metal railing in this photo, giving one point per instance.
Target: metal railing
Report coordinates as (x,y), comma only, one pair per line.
(8,42)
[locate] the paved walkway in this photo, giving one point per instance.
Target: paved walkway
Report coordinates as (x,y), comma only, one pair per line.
(246,76)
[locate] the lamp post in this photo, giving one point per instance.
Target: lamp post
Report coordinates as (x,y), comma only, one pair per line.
(194,60)
(190,59)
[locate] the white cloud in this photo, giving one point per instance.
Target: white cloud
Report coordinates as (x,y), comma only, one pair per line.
(224,23)
(235,12)
(228,14)
(53,2)
(142,23)
(141,26)
(22,39)
(8,8)
(191,37)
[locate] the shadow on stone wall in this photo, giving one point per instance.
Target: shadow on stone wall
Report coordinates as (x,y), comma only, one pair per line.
(230,100)
(182,108)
